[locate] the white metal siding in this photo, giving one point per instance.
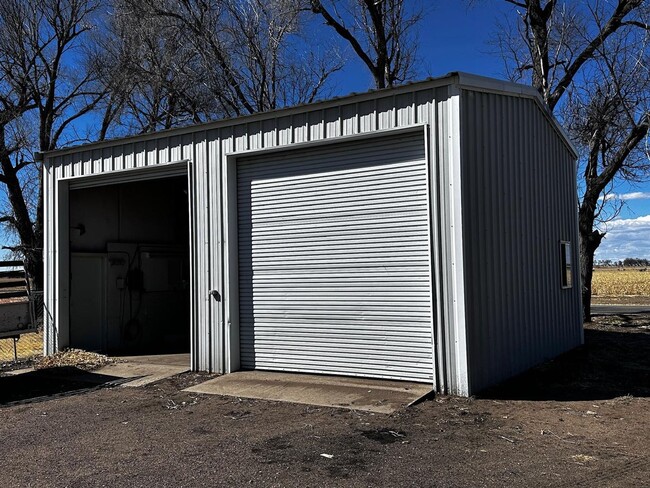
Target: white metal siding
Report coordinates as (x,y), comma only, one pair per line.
(210,147)
(334,260)
(207,147)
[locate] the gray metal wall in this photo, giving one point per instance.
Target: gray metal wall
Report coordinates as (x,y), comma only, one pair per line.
(486,213)
(519,202)
(206,148)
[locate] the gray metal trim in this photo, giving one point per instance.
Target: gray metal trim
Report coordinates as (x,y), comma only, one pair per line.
(195,340)
(332,141)
(166,170)
(229,224)
(462,79)
(295,151)
(62,266)
(231,266)
(459,383)
(57,301)
(432,222)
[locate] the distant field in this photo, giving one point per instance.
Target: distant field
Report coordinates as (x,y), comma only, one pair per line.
(621,283)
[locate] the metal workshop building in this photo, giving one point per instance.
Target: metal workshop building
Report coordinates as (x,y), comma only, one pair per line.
(424,233)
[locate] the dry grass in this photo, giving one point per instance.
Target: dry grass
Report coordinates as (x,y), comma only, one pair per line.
(618,283)
(76,358)
(29,345)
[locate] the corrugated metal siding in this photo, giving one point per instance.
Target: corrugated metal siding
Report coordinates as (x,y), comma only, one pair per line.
(501,135)
(207,149)
(49,255)
(519,201)
(334,260)
(453,371)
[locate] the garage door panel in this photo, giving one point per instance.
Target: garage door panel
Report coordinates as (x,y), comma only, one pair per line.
(410,273)
(340,182)
(334,267)
(318,345)
(343,165)
(313,364)
(315,333)
(345,212)
(355,298)
(339,236)
(385,183)
(323,226)
(360,205)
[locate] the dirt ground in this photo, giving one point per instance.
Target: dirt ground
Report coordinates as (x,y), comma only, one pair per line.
(581,420)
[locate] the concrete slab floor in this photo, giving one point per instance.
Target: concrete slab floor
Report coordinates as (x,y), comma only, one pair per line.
(370,395)
(182,359)
(145,369)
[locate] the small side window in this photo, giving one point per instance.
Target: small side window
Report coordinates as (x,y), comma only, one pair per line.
(567,265)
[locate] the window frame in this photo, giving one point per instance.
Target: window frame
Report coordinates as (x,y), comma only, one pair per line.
(566,265)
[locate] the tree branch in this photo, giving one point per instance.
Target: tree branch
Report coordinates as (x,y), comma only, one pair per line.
(21,165)
(518,4)
(635,136)
(8,219)
(623,8)
(636,23)
(318,8)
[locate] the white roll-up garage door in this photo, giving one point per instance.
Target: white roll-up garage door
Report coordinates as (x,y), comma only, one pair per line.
(334,267)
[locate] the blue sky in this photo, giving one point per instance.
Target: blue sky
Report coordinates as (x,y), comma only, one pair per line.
(454,37)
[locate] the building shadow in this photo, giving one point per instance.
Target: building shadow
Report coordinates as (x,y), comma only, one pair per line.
(613,362)
(47,384)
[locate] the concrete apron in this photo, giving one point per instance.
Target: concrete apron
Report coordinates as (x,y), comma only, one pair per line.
(147,369)
(369,395)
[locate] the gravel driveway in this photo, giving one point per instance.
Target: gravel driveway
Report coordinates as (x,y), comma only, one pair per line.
(582,420)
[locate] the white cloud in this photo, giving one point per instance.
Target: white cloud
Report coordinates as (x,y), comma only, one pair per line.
(635,195)
(626,238)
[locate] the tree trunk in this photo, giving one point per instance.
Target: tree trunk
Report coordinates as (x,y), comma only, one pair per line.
(538,18)
(589,242)
(34,267)
(34,259)
(30,241)
(30,245)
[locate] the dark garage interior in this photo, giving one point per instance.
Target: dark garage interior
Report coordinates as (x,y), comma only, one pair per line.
(129,267)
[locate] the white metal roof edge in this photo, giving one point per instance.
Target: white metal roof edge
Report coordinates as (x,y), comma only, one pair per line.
(436,82)
(463,80)
(491,85)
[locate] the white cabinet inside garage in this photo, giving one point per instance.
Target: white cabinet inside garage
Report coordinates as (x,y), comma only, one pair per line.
(334,260)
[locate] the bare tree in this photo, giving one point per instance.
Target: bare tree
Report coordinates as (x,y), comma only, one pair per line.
(250,55)
(154,77)
(40,89)
(17,63)
(380,32)
(589,61)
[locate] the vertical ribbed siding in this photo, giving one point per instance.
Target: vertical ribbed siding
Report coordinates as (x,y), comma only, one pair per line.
(451,368)
(515,315)
(519,202)
(334,266)
(50,345)
(207,150)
